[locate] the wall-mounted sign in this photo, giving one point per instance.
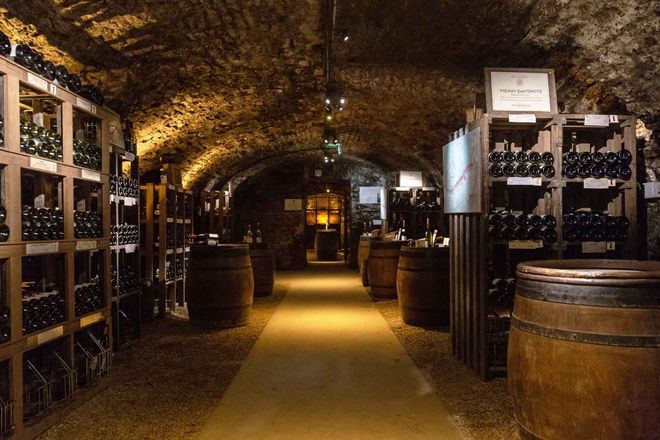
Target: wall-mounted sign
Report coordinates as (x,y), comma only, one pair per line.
(370,194)
(462,169)
(410,179)
(520,90)
(293,204)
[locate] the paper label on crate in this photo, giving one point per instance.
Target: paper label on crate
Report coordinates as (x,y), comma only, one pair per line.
(49,335)
(86,245)
(83,104)
(591,183)
(41,248)
(90,175)
(523,181)
(525,244)
(611,246)
(42,164)
(445,241)
(40,201)
(129,156)
(596,120)
(129,201)
(37,82)
(594,247)
(130,248)
(52,88)
(91,319)
(614,119)
(523,118)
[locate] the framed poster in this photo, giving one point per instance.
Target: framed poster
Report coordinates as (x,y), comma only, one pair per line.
(370,194)
(520,90)
(293,204)
(462,169)
(411,179)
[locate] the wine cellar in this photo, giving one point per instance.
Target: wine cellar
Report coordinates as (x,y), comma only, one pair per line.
(264,219)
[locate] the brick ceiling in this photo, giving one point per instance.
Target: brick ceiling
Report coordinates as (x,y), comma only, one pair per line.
(224,86)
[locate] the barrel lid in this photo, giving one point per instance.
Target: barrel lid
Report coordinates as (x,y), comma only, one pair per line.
(388,244)
(595,272)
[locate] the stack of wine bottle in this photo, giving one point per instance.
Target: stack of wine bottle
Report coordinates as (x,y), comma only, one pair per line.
(89,296)
(179,238)
(401,200)
(597,165)
(124,187)
(42,223)
(42,310)
(127,281)
(504,225)
(178,268)
(521,164)
(124,234)
(595,226)
(86,155)
(501,294)
(4,229)
(40,141)
(5,324)
(87,224)
(169,272)
(426,200)
(2,132)
(34,61)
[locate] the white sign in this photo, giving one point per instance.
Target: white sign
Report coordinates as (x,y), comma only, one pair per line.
(86,245)
(370,194)
(594,247)
(90,175)
(520,91)
(44,165)
(130,201)
(522,118)
(523,181)
(129,156)
(462,170)
(41,248)
(293,204)
(597,120)
(410,178)
(525,244)
(37,82)
(591,183)
(85,105)
(652,190)
(52,88)
(130,248)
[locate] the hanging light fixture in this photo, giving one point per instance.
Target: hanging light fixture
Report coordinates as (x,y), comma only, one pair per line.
(334,98)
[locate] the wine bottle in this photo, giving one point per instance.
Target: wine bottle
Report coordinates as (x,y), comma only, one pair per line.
(571,158)
(508,170)
(597,170)
(625,157)
(534,170)
(495,170)
(257,237)
(534,157)
(547,158)
(5,45)
(402,232)
(584,158)
(427,235)
(522,157)
(583,171)
(548,171)
(509,157)
(597,157)
(624,172)
(534,220)
(495,157)
(521,170)
(549,221)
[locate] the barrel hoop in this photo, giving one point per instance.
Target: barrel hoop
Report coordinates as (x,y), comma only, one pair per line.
(525,434)
(604,296)
(584,337)
(222,269)
(421,268)
(387,257)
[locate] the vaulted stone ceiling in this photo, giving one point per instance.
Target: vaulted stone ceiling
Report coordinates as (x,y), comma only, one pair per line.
(221,86)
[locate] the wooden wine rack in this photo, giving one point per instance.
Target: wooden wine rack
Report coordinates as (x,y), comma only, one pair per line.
(475,258)
(14,163)
(175,210)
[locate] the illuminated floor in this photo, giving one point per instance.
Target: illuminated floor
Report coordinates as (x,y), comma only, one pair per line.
(327,366)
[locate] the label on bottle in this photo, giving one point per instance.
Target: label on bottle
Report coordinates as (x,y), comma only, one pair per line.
(42,164)
(522,118)
(86,245)
(596,120)
(37,81)
(523,181)
(91,319)
(129,156)
(591,183)
(40,201)
(84,104)
(594,247)
(41,248)
(525,244)
(90,175)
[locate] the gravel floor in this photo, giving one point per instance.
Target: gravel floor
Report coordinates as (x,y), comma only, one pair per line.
(169,382)
(482,410)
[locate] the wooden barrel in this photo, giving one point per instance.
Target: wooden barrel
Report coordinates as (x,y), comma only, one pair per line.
(325,244)
(422,285)
(584,350)
(383,261)
(363,253)
(263,269)
(220,285)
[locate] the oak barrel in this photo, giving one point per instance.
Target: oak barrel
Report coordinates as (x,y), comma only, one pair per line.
(383,262)
(422,285)
(363,253)
(584,350)
(220,285)
(263,269)
(325,244)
